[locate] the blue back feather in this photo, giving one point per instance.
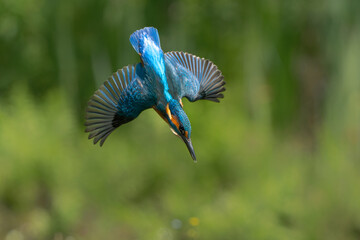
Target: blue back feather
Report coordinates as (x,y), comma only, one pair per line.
(137,37)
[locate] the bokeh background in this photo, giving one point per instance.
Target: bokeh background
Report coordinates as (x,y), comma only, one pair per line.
(278,158)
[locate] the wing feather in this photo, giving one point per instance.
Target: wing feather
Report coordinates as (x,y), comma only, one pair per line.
(193,77)
(119,100)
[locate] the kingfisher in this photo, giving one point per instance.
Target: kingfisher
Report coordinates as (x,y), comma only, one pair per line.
(159,81)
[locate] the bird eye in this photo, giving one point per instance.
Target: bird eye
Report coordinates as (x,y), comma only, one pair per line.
(182,130)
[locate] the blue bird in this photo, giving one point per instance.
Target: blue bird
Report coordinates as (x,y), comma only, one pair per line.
(159,81)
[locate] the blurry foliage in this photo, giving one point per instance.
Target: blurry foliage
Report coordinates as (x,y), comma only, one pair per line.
(278,158)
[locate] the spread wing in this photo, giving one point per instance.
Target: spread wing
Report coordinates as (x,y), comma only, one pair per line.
(119,100)
(193,77)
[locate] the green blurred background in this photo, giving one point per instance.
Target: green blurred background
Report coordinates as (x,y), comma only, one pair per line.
(278,158)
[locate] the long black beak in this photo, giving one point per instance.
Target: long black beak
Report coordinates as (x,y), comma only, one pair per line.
(190,147)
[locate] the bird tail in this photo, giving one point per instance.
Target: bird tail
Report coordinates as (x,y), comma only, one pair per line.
(137,37)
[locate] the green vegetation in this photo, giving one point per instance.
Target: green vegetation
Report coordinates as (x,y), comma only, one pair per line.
(278,158)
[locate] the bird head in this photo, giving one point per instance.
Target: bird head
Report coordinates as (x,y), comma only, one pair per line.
(180,124)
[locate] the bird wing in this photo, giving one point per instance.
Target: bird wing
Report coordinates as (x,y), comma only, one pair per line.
(119,100)
(193,77)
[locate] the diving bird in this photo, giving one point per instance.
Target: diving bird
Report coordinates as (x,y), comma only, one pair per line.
(159,81)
